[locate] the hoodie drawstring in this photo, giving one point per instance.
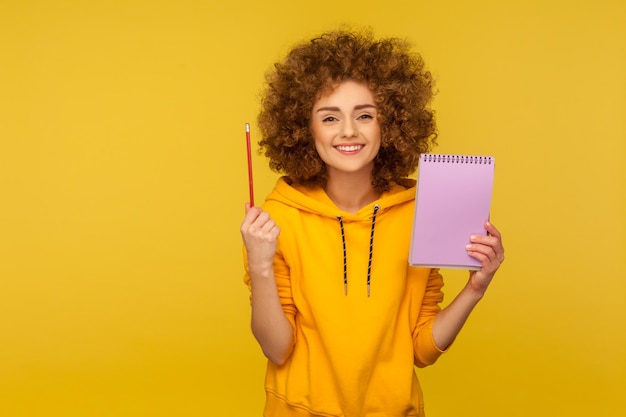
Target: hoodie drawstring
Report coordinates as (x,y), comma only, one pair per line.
(369,262)
(345,256)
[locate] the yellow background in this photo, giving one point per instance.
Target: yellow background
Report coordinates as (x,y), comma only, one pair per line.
(123,181)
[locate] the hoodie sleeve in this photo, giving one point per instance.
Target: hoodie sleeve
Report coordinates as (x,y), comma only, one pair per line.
(428,282)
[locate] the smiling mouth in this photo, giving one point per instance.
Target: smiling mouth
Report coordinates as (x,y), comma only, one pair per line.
(349,148)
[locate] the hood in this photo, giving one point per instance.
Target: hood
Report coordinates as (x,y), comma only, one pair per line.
(315,200)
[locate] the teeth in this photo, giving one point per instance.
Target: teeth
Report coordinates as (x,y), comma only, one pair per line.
(350,148)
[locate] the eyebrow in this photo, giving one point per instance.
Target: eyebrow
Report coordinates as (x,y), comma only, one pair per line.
(358,107)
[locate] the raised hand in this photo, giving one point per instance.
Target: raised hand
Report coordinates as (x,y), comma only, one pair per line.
(260,234)
(490,252)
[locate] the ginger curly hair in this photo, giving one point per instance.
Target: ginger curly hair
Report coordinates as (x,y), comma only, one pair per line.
(401,87)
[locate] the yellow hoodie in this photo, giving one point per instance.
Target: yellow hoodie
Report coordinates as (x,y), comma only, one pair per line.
(354,352)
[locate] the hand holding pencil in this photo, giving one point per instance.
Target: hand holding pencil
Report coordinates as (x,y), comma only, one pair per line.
(258,230)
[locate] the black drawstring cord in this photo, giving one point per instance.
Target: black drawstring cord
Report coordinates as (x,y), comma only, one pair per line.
(369,262)
(345,258)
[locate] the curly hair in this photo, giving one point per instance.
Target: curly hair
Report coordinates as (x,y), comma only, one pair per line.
(401,87)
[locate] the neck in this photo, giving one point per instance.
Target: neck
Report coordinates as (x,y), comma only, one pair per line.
(351,193)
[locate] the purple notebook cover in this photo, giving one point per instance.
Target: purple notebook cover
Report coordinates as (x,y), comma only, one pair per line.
(452,202)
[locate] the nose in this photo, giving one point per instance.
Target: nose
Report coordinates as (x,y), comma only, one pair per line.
(349,129)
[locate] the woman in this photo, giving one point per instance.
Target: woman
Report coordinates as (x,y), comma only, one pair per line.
(336,308)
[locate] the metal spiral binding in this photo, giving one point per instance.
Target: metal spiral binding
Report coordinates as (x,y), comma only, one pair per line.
(457,159)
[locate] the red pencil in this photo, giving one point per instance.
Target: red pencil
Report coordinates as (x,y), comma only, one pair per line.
(249,165)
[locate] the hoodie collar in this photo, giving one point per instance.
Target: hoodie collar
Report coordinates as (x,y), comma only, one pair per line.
(315,200)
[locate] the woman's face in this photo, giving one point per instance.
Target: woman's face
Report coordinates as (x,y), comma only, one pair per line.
(345,127)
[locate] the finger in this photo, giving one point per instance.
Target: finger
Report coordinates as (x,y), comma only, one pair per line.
(262,219)
(482,250)
(251,216)
(270,230)
(489,258)
(486,240)
(275,232)
(498,246)
(480,257)
(270,233)
(247,207)
(492,230)
(268,226)
(262,228)
(488,265)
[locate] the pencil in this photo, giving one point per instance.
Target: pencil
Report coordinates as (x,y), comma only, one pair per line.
(250,184)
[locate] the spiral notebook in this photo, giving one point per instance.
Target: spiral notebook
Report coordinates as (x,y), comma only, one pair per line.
(452,202)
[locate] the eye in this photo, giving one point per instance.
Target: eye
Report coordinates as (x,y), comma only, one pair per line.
(329,119)
(365,116)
